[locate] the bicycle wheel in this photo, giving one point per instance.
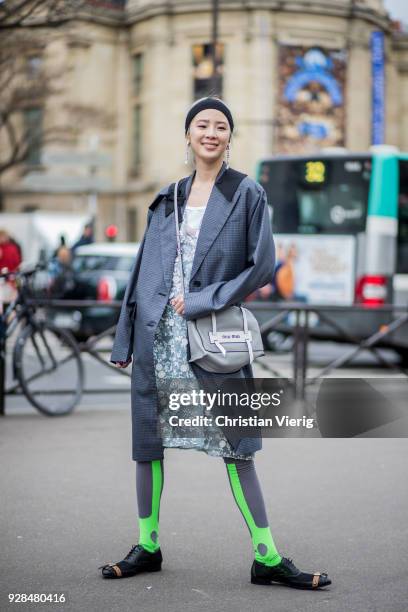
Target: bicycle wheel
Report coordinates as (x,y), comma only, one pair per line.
(49,368)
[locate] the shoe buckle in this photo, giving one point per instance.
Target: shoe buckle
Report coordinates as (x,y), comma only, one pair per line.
(115,568)
(315,581)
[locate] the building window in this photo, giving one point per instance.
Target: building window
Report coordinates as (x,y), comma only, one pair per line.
(204,84)
(131,229)
(137,74)
(34,66)
(30,208)
(33,120)
(108,4)
(136,144)
(137,110)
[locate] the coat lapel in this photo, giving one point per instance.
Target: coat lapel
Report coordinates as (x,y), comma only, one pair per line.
(219,207)
(216,212)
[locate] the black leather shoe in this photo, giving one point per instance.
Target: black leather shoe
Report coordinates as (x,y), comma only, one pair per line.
(136,561)
(287,573)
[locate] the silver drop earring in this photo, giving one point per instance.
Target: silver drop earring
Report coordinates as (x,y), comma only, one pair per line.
(228,155)
(187,157)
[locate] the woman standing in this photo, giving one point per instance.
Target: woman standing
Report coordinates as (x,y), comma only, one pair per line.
(227,252)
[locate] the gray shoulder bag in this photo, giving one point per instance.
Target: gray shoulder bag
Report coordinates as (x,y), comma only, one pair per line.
(225,341)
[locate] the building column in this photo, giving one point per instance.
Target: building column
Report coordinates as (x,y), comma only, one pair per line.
(258,88)
(358,89)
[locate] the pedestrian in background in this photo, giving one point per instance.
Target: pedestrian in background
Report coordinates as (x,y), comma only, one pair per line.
(283,285)
(62,245)
(227,251)
(86,238)
(10,252)
(10,260)
(61,272)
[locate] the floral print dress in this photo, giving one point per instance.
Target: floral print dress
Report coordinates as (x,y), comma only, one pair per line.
(170,357)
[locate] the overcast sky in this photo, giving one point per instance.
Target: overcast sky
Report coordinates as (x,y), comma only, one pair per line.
(398,9)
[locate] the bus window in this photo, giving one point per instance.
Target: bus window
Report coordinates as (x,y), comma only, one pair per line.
(402,244)
(312,196)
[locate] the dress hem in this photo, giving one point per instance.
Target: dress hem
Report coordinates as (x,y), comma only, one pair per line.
(210,452)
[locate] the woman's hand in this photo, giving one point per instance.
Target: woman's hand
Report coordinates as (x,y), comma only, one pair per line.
(178,304)
(123,364)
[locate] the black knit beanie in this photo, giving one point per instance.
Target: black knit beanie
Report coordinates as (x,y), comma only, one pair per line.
(208,102)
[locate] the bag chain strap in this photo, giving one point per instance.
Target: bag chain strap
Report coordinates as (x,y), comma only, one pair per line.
(178,236)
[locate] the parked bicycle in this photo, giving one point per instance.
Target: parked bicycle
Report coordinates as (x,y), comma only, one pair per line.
(46,360)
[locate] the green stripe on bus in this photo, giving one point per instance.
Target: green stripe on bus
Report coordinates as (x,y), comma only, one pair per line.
(383,195)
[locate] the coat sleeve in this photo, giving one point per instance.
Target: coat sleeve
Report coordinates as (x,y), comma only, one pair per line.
(123,342)
(260,270)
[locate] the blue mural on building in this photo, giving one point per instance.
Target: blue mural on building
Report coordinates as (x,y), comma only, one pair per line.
(311,109)
(314,66)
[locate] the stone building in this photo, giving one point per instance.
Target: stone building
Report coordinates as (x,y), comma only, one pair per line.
(297,75)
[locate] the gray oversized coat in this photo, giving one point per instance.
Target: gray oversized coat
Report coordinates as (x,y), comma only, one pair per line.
(235,254)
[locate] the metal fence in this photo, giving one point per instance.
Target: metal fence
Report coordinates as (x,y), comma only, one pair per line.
(301,331)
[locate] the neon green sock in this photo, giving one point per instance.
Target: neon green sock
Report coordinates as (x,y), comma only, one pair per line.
(262,540)
(149,525)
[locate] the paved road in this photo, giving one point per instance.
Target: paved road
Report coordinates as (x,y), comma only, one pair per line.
(68,505)
(68,492)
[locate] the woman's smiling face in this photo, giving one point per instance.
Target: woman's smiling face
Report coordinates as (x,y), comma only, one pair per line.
(209,134)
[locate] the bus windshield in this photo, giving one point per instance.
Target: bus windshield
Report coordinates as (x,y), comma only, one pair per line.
(317,196)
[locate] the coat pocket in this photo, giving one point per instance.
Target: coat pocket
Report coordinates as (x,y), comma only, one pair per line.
(131,311)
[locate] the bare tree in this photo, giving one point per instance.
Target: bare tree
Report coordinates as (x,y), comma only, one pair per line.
(23,85)
(27,83)
(34,14)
